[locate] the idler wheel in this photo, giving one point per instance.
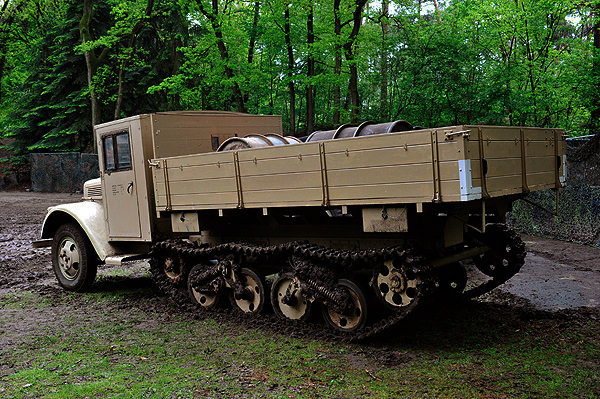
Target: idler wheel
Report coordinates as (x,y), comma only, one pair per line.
(206,299)
(396,285)
(251,299)
(287,299)
(507,254)
(354,317)
(452,279)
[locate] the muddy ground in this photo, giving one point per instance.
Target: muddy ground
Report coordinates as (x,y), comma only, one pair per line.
(560,282)
(557,275)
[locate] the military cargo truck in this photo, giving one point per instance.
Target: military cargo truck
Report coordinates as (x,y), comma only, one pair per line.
(357,224)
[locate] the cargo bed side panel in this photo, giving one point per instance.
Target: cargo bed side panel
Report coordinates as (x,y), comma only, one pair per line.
(450,164)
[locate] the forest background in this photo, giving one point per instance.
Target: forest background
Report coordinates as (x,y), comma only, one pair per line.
(66,65)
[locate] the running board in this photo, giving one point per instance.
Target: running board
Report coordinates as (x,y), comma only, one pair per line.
(117,260)
(42,243)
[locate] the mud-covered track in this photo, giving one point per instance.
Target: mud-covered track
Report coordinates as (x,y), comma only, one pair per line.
(172,261)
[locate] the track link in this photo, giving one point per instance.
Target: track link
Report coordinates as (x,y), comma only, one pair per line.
(324,266)
(504,261)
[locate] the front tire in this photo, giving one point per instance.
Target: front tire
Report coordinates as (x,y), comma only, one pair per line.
(73,258)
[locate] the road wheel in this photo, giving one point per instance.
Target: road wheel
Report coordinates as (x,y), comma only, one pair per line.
(397,284)
(252,298)
(354,316)
(208,299)
(287,299)
(73,258)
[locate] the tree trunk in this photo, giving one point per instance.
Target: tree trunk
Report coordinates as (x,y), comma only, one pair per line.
(310,99)
(252,44)
(355,108)
(92,62)
(349,49)
(337,69)
(212,16)
(437,10)
(254,32)
(290,73)
(132,38)
(383,90)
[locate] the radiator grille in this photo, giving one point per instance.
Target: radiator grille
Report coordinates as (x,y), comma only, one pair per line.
(92,191)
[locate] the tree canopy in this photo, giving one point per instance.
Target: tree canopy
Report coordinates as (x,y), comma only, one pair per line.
(66,65)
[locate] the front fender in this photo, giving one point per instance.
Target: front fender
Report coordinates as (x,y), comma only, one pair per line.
(89,215)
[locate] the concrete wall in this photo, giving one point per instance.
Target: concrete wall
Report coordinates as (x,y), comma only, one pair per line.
(63,172)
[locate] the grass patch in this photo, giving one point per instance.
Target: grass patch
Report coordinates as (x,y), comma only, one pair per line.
(127,343)
(22,300)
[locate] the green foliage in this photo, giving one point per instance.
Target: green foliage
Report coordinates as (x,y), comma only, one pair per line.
(49,107)
(50,104)
(501,62)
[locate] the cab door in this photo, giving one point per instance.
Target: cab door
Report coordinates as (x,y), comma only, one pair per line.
(119,184)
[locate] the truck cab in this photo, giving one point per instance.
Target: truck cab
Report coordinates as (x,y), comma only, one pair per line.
(116,219)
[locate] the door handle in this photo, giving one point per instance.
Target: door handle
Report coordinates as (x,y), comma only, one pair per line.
(129,187)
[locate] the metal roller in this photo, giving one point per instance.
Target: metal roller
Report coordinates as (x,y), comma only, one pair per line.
(364,129)
(321,135)
(382,128)
(241,143)
(256,141)
(293,140)
(277,139)
(344,131)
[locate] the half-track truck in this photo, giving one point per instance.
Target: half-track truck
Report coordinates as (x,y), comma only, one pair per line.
(357,225)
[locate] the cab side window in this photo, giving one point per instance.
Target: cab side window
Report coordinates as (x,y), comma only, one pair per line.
(117,154)
(214,140)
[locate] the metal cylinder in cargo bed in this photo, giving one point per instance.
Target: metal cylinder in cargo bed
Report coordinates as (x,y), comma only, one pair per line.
(256,141)
(364,129)
(277,139)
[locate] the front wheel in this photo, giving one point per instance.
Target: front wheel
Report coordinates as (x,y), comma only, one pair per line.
(73,258)
(507,254)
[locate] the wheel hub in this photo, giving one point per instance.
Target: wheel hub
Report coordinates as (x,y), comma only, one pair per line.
(396,286)
(288,300)
(69,258)
(398,283)
(354,315)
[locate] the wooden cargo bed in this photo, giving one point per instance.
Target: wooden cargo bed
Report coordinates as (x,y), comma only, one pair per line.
(432,165)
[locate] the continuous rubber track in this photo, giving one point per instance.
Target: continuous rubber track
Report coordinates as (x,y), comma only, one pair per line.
(308,261)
